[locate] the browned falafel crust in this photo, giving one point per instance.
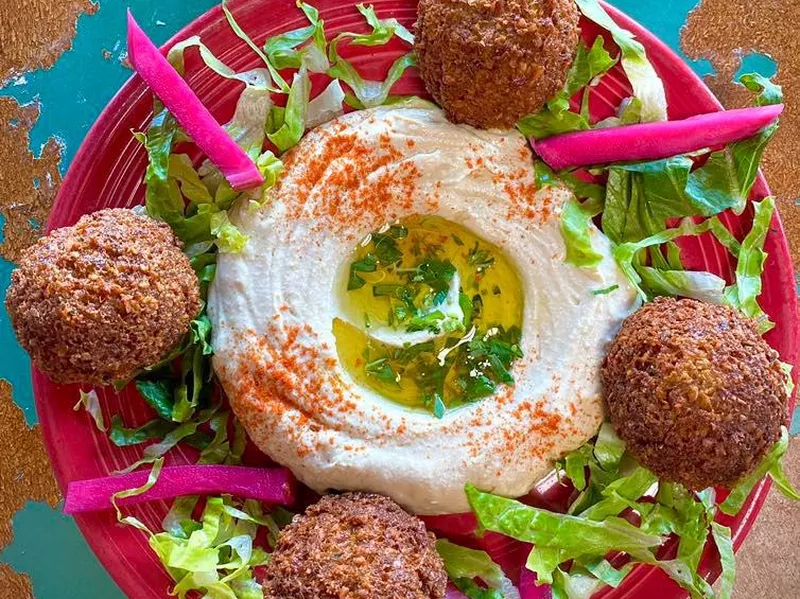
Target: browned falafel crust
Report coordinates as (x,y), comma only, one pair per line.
(490,62)
(100,300)
(694,391)
(355,546)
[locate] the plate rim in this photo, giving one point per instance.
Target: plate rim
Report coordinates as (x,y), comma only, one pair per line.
(130,93)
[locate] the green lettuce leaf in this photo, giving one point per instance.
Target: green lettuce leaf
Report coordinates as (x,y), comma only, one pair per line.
(176,57)
(183,172)
(464,565)
(556,117)
(722,539)
(221,449)
(180,433)
(571,535)
(621,493)
(641,197)
(293,116)
(577,584)
(647,86)
(726,179)
(124,437)
(326,106)
(769,93)
(744,294)
(608,448)
(159,395)
(601,569)
(577,230)
(229,238)
(702,286)
(771,465)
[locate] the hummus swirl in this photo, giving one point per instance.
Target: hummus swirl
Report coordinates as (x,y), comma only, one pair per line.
(273,308)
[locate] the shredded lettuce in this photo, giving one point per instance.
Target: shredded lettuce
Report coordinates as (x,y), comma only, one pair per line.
(664,279)
(702,286)
(570,552)
(642,197)
(370,93)
(545,177)
(769,93)
(282,50)
(577,584)
(177,434)
(556,117)
(576,217)
(292,120)
(273,72)
(647,86)
(576,229)
(743,295)
(608,448)
(570,535)
(91,404)
(726,179)
(628,257)
(121,436)
(771,465)
(722,539)
(464,565)
(787,371)
(382,29)
(228,237)
(151,480)
(215,555)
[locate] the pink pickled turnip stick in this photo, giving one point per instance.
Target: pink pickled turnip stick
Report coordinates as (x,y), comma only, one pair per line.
(274,485)
(237,167)
(654,141)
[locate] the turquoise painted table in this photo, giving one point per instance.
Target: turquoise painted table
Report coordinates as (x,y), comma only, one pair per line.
(46,544)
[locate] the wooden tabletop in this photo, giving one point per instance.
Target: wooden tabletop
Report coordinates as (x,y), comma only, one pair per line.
(60,63)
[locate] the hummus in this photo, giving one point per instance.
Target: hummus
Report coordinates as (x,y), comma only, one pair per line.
(274,305)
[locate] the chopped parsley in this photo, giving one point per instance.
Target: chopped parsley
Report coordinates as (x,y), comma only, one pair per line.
(383,371)
(605,291)
(432,280)
(487,363)
(437,274)
(481,259)
(450,372)
(367,264)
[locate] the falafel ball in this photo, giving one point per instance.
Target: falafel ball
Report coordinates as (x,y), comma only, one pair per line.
(100,300)
(694,391)
(355,546)
(490,62)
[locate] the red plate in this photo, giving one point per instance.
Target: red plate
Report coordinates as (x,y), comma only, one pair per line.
(108,171)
